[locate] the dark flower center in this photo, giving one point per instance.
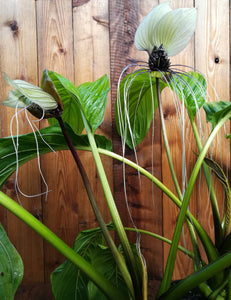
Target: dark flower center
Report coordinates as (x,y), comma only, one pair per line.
(158,59)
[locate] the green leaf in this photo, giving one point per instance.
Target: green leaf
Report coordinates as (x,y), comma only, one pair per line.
(11,267)
(135,106)
(89,98)
(216,110)
(224,181)
(190,87)
(69,95)
(27,147)
(70,284)
(93,97)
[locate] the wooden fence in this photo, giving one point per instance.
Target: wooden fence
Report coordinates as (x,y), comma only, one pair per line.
(82,40)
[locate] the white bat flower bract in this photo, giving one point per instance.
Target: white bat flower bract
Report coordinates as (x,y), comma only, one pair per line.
(163,26)
(26,93)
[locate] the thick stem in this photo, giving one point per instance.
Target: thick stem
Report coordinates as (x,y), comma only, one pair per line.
(130,258)
(105,285)
(118,259)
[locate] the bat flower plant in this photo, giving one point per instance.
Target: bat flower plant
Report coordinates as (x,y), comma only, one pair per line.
(97,268)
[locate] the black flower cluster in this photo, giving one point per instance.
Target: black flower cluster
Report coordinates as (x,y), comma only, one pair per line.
(158,59)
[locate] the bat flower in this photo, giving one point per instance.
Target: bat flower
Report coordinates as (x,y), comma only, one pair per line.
(39,102)
(164,33)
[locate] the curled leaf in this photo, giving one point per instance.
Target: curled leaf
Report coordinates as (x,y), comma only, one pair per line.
(224,181)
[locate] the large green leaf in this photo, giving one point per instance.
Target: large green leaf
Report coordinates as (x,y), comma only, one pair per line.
(27,147)
(89,98)
(69,95)
(11,267)
(190,87)
(93,97)
(135,106)
(216,110)
(137,101)
(70,284)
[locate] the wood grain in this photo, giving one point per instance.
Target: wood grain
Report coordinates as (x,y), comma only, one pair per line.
(55,48)
(92,60)
(18,56)
(214,62)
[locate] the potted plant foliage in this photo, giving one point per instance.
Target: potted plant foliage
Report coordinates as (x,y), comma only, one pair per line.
(96,268)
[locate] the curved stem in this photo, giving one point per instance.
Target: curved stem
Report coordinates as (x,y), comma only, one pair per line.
(118,259)
(105,285)
(205,239)
(197,278)
(214,205)
(176,237)
(132,264)
(197,257)
(165,138)
(161,238)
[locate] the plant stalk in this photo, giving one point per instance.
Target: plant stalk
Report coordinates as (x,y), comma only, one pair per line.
(118,259)
(197,257)
(176,237)
(132,264)
(216,216)
(205,239)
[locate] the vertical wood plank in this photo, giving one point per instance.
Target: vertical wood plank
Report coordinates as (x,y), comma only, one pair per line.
(213,38)
(55,52)
(124,19)
(92,60)
(18,58)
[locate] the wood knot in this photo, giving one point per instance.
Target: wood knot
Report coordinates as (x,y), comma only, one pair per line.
(62,51)
(13,24)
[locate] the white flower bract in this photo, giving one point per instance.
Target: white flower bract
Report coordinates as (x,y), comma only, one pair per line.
(163,26)
(26,93)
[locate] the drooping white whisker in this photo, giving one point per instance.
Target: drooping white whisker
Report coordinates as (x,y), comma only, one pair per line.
(181,117)
(119,108)
(15,145)
(124,121)
(38,159)
(41,136)
(206,78)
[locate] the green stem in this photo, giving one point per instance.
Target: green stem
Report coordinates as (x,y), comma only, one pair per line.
(197,278)
(165,138)
(214,205)
(176,237)
(132,264)
(106,286)
(197,257)
(161,238)
(205,239)
(118,259)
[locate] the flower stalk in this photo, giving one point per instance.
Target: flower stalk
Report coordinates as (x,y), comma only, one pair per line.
(118,259)
(176,237)
(129,256)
